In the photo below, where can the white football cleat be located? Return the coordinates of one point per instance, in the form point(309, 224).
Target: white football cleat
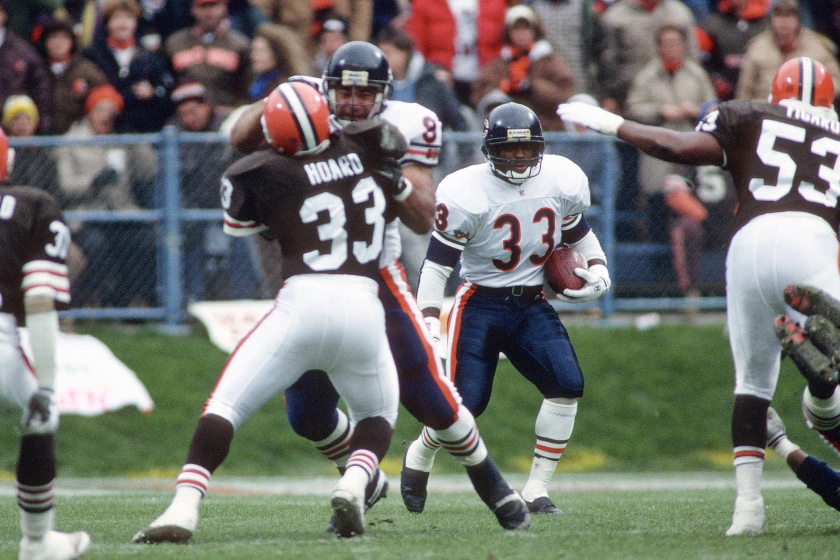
point(55, 546)
point(348, 510)
point(177, 524)
point(748, 518)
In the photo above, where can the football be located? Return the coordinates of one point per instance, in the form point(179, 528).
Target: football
point(560, 269)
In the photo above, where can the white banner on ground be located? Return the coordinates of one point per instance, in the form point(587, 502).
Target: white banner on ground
point(90, 380)
point(227, 322)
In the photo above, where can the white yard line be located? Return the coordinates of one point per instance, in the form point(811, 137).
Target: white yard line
point(437, 483)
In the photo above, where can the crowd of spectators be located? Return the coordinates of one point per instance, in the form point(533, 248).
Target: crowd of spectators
point(459, 58)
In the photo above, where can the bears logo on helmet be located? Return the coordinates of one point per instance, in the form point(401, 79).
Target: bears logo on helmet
point(803, 79)
point(508, 126)
point(296, 119)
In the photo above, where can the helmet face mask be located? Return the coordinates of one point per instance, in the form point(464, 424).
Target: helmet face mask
point(803, 79)
point(513, 143)
point(357, 81)
point(296, 119)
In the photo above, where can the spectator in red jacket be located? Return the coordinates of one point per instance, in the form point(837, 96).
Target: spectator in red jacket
point(460, 42)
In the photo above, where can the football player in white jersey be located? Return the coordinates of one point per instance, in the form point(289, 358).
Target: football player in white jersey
point(34, 242)
point(502, 219)
point(783, 159)
point(357, 83)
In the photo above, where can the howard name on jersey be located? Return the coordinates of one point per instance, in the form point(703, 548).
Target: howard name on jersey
point(33, 255)
point(326, 211)
point(508, 231)
point(782, 158)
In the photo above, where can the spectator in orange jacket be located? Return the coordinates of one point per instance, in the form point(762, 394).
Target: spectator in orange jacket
point(527, 70)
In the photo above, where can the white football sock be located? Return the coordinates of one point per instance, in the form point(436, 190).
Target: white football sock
point(35, 525)
point(555, 422)
point(749, 463)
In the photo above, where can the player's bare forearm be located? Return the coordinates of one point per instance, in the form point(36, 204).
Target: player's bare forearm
point(247, 134)
point(417, 211)
point(692, 148)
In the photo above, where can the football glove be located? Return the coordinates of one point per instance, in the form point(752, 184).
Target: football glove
point(595, 118)
point(387, 146)
point(41, 416)
point(388, 175)
point(597, 283)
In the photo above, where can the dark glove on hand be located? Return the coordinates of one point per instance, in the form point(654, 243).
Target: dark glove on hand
point(41, 417)
point(388, 175)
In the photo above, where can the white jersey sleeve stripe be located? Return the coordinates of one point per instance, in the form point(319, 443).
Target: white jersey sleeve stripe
point(239, 228)
point(46, 278)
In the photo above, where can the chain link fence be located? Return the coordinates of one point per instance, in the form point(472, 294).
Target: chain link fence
point(148, 240)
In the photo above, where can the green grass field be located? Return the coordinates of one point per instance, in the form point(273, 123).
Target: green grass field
point(657, 402)
point(625, 525)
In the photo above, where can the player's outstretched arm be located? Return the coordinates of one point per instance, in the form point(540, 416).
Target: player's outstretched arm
point(692, 148)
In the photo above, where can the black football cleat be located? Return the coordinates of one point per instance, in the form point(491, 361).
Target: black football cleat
point(162, 534)
point(512, 512)
point(376, 489)
point(811, 301)
point(413, 488)
point(813, 364)
point(543, 506)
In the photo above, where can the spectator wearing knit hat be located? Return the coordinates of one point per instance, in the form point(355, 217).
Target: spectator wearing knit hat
point(527, 70)
point(332, 33)
point(120, 256)
point(71, 75)
point(33, 165)
point(22, 70)
point(216, 265)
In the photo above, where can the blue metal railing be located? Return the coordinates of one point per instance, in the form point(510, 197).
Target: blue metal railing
point(169, 216)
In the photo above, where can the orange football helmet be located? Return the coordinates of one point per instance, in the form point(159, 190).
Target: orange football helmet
point(296, 119)
point(804, 79)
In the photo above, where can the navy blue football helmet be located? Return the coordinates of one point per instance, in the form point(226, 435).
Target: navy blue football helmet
point(361, 66)
point(509, 125)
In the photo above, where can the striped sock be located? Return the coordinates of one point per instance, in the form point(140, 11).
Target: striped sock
point(193, 476)
point(36, 509)
point(461, 439)
point(335, 447)
point(555, 422)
